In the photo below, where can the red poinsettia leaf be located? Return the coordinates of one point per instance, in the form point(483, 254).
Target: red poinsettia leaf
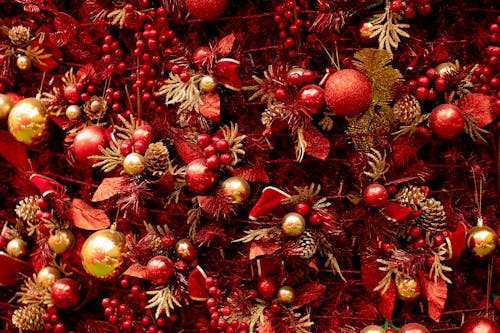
point(435, 292)
point(13, 151)
point(225, 45)
point(270, 199)
point(86, 217)
point(440, 53)
point(86, 72)
point(12, 270)
point(258, 249)
point(370, 274)
point(210, 106)
point(62, 122)
point(136, 270)
point(227, 75)
point(387, 300)
point(309, 292)
point(47, 65)
point(49, 48)
point(479, 106)
point(46, 185)
point(396, 211)
point(317, 144)
point(457, 241)
point(255, 173)
point(196, 285)
point(313, 264)
point(109, 187)
point(187, 151)
point(265, 325)
point(269, 266)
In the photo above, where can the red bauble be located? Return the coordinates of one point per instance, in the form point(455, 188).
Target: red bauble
point(71, 93)
point(375, 195)
point(479, 325)
point(447, 121)
point(312, 96)
point(65, 293)
point(267, 287)
point(198, 176)
point(413, 328)
point(144, 133)
point(87, 143)
point(348, 92)
point(206, 9)
point(159, 269)
point(201, 55)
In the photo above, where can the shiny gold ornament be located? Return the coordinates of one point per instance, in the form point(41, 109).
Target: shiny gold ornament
point(293, 224)
point(372, 329)
point(208, 83)
point(236, 188)
point(481, 240)
point(23, 63)
point(61, 241)
point(134, 164)
point(185, 250)
point(295, 71)
point(27, 121)
point(407, 288)
point(16, 248)
point(286, 295)
point(5, 106)
point(365, 32)
point(102, 253)
point(446, 69)
point(73, 112)
point(48, 275)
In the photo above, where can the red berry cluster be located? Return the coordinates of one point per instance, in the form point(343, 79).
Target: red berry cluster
point(141, 138)
point(80, 91)
point(289, 24)
point(118, 313)
point(314, 218)
point(215, 149)
point(410, 8)
point(427, 86)
point(416, 236)
point(52, 323)
point(113, 53)
point(43, 213)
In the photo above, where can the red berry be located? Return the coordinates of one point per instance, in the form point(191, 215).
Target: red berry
point(140, 146)
point(429, 261)
point(215, 316)
point(222, 145)
point(424, 10)
point(184, 76)
point(213, 162)
point(423, 81)
point(280, 94)
point(308, 76)
point(226, 158)
point(422, 93)
point(211, 302)
point(288, 43)
point(295, 78)
point(293, 29)
point(209, 150)
point(419, 243)
point(222, 323)
point(109, 311)
point(168, 240)
point(127, 324)
point(209, 282)
point(275, 307)
point(415, 231)
point(42, 203)
point(396, 6)
point(126, 147)
point(440, 84)
point(439, 239)
point(494, 27)
point(302, 208)
point(432, 95)
point(409, 12)
point(176, 69)
point(431, 73)
point(226, 311)
point(387, 247)
point(203, 140)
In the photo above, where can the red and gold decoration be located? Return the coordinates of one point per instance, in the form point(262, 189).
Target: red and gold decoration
point(286, 295)
point(16, 248)
point(185, 250)
point(482, 240)
point(407, 288)
point(293, 224)
point(5, 106)
point(61, 241)
point(27, 121)
point(48, 275)
point(159, 269)
point(446, 121)
point(236, 188)
point(65, 293)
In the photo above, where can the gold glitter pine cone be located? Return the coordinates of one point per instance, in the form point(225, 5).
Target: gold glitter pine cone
point(157, 158)
point(407, 109)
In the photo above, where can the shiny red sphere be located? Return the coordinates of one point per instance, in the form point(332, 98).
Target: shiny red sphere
point(479, 325)
point(267, 287)
point(144, 133)
point(201, 55)
point(206, 10)
point(413, 328)
point(375, 195)
point(87, 142)
point(348, 92)
point(312, 97)
point(159, 269)
point(446, 121)
point(65, 293)
point(199, 177)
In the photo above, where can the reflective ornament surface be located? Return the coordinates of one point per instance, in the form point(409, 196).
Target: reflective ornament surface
point(27, 121)
point(102, 253)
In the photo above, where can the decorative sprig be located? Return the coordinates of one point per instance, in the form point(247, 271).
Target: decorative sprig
point(179, 174)
point(410, 129)
point(438, 269)
point(377, 163)
point(127, 129)
point(110, 159)
point(275, 75)
point(475, 132)
point(235, 140)
point(326, 250)
point(33, 292)
point(257, 316)
point(186, 94)
point(194, 217)
point(258, 234)
point(163, 300)
point(326, 123)
point(305, 193)
point(388, 29)
point(304, 323)
point(300, 144)
point(37, 54)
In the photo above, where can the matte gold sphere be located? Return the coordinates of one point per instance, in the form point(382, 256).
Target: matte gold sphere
point(61, 241)
point(134, 164)
point(208, 83)
point(407, 288)
point(27, 121)
point(236, 188)
point(102, 253)
point(23, 63)
point(286, 295)
point(372, 329)
point(293, 224)
point(48, 275)
point(482, 241)
point(73, 112)
point(16, 248)
point(185, 250)
point(5, 106)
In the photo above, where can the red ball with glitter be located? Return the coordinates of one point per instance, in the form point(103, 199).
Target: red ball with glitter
point(375, 195)
point(479, 325)
point(65, 293)
point(446, 121)
point(159, 269)
point(199, 177)
point(414, 328)
point(206, 10)
point(87, 142)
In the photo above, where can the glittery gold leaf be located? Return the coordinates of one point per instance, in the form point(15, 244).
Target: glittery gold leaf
point(388, 29)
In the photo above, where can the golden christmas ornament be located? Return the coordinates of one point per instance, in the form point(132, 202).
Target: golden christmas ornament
point(365, 32)
point(407, 288)
point(134, 164)
point(446, 69)
point(73, 112)
point(16, 248)
point(481, 240)
point(236, 188)
point(185, 250)
point(102, 253)
point(5, 106)
point(286, 295)
point(48, 275)
point(293, 224)
point(27, 121)
point(372, 329)
point(23, 63)
point(61, 241)
point(208, 83)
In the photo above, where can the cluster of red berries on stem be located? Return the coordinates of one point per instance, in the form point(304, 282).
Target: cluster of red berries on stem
point(409, 8)
point(289, 24)
point(427, 86)
point(215, 149)
point(52, 323)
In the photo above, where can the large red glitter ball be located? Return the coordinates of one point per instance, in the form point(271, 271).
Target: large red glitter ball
point(267, 287)
point(159, 269)
point(479, 325)
point(206, 9)
point(413, 328)
point(446, 121)
point(375, 195)
point(65, 293)
point(348, 92)
point(87, 143)
point(198, 176)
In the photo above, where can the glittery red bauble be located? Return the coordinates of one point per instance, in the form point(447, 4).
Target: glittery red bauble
point(267, 287)
point(71, 93)
point(206, 9)
point(413, 328)
point(375, 195)
point(143, 132)
point(348, 92)
point(201, 55)
point(312, 96)
point(446, 121)
point(65, 293)
point(198, 176)
point(479, 325)
point(159, 269)
point(87, 143)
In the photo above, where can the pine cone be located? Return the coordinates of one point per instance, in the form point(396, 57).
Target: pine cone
point(95, 107)
point(307, 244)
point(433, 216)
point(26, 209)
point(411, 196)
point(157, 158)
point(272, 112)
point(29, 318)
point(407, 109)
point(19, 35)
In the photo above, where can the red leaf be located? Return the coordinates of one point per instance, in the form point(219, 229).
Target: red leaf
point(479, 106)
point(225, 45)
point(269, 200)
point(136, 270)
point(196, 285)
point(109, 187)
point(187, 151)
point(210, 106)
point(252, 174)
point(11, 271)
point(46, 185)
point(87, 72)
point(266, 326)
point(269, 266)
point(86, 217)
point(387, 301)
point(226, 73)
point(440, 53)
point(62, 122)
point(396, 211)
point(308, 293)
point(317, 144)
point(457, 240)
point(435, 293)
point(13, 151)
point(370, 274)
point(258, 249)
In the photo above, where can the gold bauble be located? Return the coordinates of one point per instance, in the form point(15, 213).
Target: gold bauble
point(446, 68)
point(286, 295)
point(293, 224)
point(28, 122)
point(73, 112)
point(482, 241)
point(365, 32)
point(236, 188)
point(48, 275)
point(407, 288)
point(102, 253)
point(61, 241)
point(23, 63)
point(134, 164)
point(208, 83)
point(185, 250)
point(5, 106)
point(372, 329)
point(16, 247)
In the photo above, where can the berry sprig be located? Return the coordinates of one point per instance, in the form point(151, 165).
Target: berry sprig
point(289, 23)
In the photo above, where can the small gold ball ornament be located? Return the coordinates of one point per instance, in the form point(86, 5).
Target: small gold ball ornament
point(23, 63)
point(208, 83)
point(134, 164)
point(236, 188)
point(365, 32)
point(185, 250)
point(5, 106)
point(407, 288)
point(446, 68)
point(481, 240)
point(48, 275)
point(102, 253)
point(286, 295)
point(61, 241)
point(293, 224)
point(27, 121)
point(372, 329)
point(73, 112)
point(16, 247)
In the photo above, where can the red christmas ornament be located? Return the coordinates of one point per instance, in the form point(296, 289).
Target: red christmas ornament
point(87, 143)
point(65, 293)
point(185, 250)
point(267, 287)
point(144, 133)
point(312, 96)
point(159, 269)
point(71, 93)
point(375, 195)
point(479, 325)
point(198, 176)
point(206, 9)
point(201, 55)
point(348, 92)
point(413, 328)
point(447, 121)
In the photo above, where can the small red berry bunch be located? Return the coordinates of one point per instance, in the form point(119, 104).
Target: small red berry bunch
point(52, 321)
point(427, 85)
point(410, 8)
point(215, 149)
point(289, 24)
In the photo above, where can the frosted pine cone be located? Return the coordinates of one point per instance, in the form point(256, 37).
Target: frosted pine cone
point(29, 318)
point(95, 107)
point(307, 244)
point(19, 35)
point(407, 109)
point(272, 112)
point(433, 216)
point(411, 196)
point(26, 209)
point(157, 158)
